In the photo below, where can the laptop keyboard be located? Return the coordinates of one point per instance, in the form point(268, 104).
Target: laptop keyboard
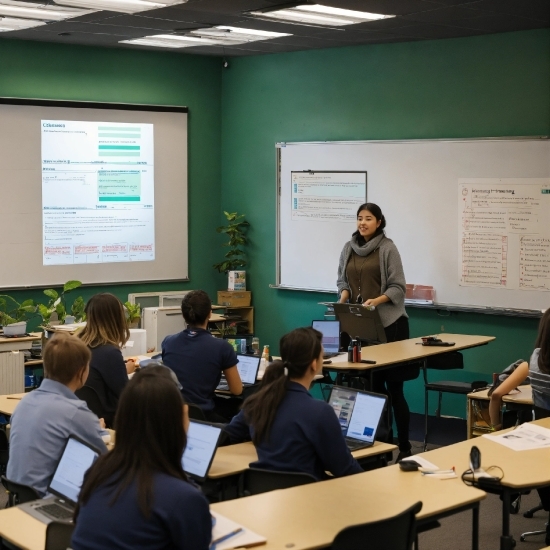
point(223, 387)
point(56, 511)
point(356, 444)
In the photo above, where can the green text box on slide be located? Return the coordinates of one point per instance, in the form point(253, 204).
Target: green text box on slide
point(119, 185)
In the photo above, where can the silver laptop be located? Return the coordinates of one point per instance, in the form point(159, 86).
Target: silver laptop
point(65, 485)
point(202, 442)
point(248, 367)
point(359, 414)
point(331, 337)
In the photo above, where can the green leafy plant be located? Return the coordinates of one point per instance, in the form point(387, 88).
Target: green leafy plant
point(235, 229)
point(11, 311)
point(77, 310)
point(58, 305)
point(226, 329)
point(133, 313)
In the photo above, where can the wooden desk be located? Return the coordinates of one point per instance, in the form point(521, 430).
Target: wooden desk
point(235, 459)
point(475, 429)
point(12, 361)
point(522, 469)
point(310, 516)
point(9, 402)
point(404, 351)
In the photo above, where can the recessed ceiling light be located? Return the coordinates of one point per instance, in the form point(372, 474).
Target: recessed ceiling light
point(124, 6)
point(27, 10)
point(317, 14)
point(170, 41)
point(8, 24)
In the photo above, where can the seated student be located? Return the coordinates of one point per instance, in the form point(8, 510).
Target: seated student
point(44, 420)
point(291, 430)
point(137, 496)
point(198, 358)
point(105, 332)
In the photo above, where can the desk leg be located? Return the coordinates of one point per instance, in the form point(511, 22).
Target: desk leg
point(475, 527)
point(507, 542)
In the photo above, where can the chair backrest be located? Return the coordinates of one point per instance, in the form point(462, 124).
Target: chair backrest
point(541, 413)
point(4, 451)
point(195, 412)
point(446, 361)
point(397, 533)
point(18, 493)
point(89, 395)
point(58, 535)
point(256, 480)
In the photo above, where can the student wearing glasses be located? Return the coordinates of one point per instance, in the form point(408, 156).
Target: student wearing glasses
point(137, 496)
point(291, 430)
point(370, 272)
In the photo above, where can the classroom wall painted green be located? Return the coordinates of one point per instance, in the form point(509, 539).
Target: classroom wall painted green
point(69, 72)
point(496, 85)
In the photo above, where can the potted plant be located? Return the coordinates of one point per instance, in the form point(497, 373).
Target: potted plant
point(14, 315)
point(235, 230)
point(133, 314)
point(57, 304)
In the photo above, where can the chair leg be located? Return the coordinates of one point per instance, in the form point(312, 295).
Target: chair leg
point(438, 411)
point(425, 418)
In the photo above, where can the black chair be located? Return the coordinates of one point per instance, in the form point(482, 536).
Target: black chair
point(4, 451)
point(397, 533)
point(195, 412)
point(58, 535)
point(18, 493)
point(256, 480)
point(446, 361)
point(89, 395)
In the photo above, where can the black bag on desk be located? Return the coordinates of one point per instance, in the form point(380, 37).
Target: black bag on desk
point(505, 374)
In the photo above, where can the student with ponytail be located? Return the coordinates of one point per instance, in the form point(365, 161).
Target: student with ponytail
point(291, 430)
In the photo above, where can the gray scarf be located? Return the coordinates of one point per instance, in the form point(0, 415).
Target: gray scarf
point(367, 248)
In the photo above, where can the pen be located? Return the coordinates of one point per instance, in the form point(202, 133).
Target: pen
point(228, 536)
point(18, 398)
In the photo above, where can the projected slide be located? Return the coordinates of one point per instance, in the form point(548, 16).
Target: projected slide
point(97, 192)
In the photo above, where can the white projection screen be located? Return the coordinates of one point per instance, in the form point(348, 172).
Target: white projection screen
point(94, 192)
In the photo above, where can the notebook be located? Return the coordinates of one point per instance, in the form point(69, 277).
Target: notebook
point(359, 414)
point(202, 442)
point(65, 485)
point(248, 367)
point(331, 337)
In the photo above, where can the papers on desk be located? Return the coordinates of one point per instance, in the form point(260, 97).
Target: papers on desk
point(525, 437)
point(429, 469)
point(230, 534)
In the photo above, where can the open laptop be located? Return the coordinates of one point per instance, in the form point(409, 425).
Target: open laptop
point(65, 485)
point(248, 367)
point(331, 337)
point(202, 442)
point(359, 414)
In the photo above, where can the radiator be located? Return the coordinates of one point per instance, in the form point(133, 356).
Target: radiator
point(12, 372)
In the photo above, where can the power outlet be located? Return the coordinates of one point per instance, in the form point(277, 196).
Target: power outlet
point(442, 328)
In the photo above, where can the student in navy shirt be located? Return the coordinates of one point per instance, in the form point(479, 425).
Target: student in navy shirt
point(198, 359)
point(137, 496)
point(291, 430)
point(106, 331)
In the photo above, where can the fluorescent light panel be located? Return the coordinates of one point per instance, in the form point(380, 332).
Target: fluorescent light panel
point(317, 14)
point(26, 10)
point(123, 6)
point(8, 24)
point(213, 36)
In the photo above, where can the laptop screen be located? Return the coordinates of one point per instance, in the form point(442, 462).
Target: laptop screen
point(69, 475)
point(358, 412)
point(202, 440)
point(248, 366)
point(331, 334)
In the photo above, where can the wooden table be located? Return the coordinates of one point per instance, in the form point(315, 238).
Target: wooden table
point(475, 429)
point(12, 362)
point(9, 402)
point(310, 516)
point(235, 459)
point(522, 469)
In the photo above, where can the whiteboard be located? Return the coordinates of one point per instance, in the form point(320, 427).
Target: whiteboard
point(417, 184)
point(21, 208)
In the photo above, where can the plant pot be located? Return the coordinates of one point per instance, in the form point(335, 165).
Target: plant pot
point(16, 329)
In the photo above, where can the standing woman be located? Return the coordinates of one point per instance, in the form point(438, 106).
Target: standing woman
point(106, 331)
point(370, 272)
point(137, 496)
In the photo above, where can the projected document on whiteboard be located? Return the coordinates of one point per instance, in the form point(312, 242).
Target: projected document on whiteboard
point(98, 203)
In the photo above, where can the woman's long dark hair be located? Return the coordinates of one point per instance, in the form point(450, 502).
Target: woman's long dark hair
point(150, 438)
point(298, 349)
point(376, 211)
point(543, 342)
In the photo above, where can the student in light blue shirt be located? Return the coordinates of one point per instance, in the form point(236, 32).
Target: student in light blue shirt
point(46, 418)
